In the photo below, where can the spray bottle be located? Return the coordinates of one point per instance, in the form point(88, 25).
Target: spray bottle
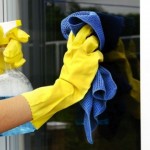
point(13, 82)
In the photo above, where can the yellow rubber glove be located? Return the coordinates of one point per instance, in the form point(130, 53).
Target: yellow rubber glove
point(81, 63)
point(12, 53)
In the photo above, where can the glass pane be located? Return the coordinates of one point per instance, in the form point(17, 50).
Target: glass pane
point(119, 126)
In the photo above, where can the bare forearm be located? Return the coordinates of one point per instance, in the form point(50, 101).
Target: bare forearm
point(13, 112)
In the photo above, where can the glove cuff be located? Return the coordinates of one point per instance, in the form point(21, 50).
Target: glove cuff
point(43, 100)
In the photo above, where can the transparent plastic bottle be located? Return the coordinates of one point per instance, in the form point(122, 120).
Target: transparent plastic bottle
point(12, 83)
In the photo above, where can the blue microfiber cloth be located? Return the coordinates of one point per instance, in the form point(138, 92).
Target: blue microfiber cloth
point(113, 26)
point(103, 87)
point(94, 103)
point(76, 20)
point(107, 27)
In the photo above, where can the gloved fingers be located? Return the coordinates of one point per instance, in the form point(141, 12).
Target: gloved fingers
point(70, 40)
point(76, 41)
point(83, 33)
point(99, 55)
point(90, 44)
point(18, 35)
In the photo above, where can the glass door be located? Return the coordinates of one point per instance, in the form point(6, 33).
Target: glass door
point(121, 129)
point(44, 54)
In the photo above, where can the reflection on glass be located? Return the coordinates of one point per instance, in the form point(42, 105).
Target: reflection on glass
point(120, 124)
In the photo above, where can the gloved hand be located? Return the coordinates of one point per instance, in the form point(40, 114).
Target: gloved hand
point(11, 49)
point(81, 63)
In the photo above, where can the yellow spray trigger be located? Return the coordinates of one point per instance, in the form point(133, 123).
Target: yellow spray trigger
point(11, 38)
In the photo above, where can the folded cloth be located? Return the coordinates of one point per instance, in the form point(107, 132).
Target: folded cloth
point(76, 20)
point(103, 87)
point(94, 103)
point(107, 27)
